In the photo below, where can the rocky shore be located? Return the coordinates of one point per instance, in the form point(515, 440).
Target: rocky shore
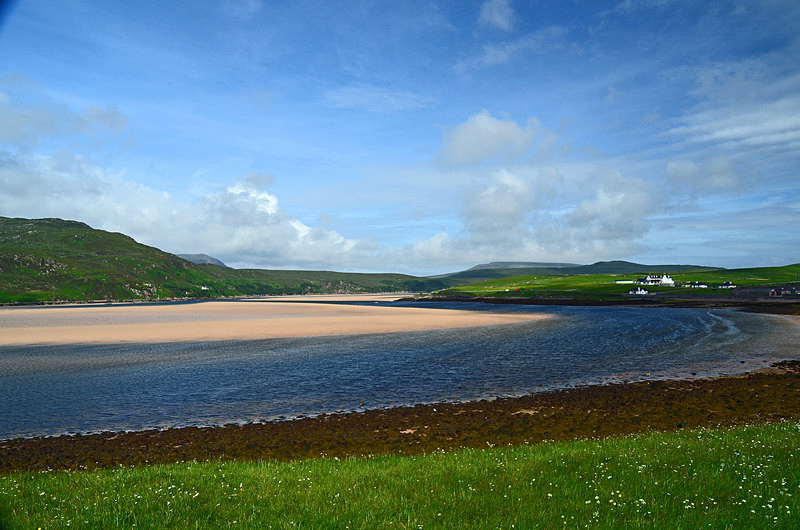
point(767, 395)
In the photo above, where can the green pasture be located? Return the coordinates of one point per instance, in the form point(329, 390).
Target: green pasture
point(745, 477)
point(604, 286)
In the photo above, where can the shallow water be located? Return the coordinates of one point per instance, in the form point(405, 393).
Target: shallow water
point(49, 390)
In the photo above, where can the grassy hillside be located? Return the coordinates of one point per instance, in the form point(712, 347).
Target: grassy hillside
point(258, 281)
point(605, 286)
point(56, 260)
point(52, 259)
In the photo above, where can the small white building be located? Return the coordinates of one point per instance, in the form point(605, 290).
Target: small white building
point(639, 290)
point(654, 279)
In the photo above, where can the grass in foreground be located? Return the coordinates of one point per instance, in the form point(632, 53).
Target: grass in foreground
point(747, 477)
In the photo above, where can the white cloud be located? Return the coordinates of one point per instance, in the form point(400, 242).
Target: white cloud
point(610, 222)
point(496, 215)
point(537, 213)
point(245, 194)
point(483, 137)
point(618, 209)
point(497, 13)
point(241, 223)
point(508, 213)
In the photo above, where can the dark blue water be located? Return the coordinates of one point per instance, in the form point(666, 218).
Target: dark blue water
point(48, 390)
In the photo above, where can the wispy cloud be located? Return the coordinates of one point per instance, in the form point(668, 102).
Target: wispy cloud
point(542, 41)
point(773, 125)
point(26, 123)
point(242, 9)
point(375, 98)
point(716, 175)
point(498, 14)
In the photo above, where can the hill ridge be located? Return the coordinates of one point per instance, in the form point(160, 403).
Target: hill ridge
point(53, 260)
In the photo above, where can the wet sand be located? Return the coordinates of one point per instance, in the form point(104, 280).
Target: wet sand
point(256, 318)
point(591, 412)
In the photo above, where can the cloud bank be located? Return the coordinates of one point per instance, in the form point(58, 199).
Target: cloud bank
point(509, 209)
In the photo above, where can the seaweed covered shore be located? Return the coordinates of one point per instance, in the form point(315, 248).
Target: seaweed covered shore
point(590, 412)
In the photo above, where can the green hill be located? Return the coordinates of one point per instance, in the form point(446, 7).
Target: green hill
point(53, 259)
point(44, 260)
point(569, 284)
point(261, 281)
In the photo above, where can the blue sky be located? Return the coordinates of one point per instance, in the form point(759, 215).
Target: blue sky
point(405, 136)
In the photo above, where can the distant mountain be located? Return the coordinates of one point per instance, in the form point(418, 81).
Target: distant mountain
point(496, 270)
point(627, 267)
point(521, 265)
point(43, 260)
point(199, 259)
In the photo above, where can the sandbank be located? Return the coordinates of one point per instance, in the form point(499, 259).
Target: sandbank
point(259, 318)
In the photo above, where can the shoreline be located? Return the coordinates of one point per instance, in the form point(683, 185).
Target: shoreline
point(765, 395)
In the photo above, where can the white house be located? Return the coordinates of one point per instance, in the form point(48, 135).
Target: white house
point(639, 290)
point(653, 279)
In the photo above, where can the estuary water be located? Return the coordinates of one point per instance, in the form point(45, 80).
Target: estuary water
point(52, 390)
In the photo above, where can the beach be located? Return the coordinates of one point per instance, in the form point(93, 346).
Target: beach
point(256, 318)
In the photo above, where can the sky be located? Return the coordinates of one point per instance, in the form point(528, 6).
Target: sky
point(421, 137)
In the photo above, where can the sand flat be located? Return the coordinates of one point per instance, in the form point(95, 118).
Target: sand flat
point(229, 319)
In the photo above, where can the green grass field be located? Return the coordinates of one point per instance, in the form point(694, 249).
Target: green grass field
point(745, 477)
point(603, 286)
